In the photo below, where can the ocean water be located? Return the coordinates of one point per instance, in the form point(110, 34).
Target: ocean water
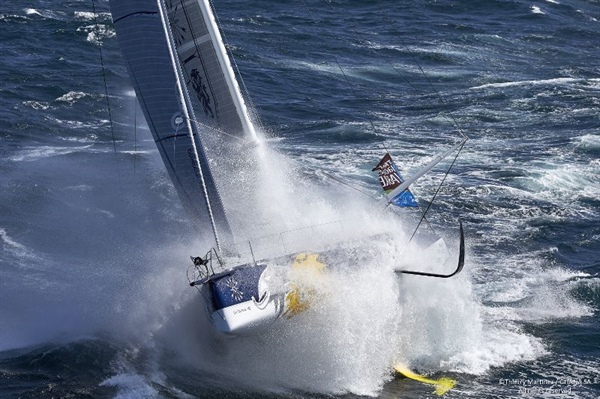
point(94, 300)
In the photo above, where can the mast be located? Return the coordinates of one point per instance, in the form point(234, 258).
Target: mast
point(227, 69)
point(188, 113)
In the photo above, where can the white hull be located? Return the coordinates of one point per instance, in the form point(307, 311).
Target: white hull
point(244, 299)
point(247, 317)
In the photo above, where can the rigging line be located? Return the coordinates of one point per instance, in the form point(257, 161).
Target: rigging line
point(190, 115)
point(370, 120)
point(248, 98)
point(373, 126)
point(417, 90)
point(437, 94)
point(389, 208)
point(135, 110)
point(354, 93)
point(329, 175)
point(437, 191)
point(212, 128)
point(408, 81)
point(185, 101)
point(110, 119)
point(419, 208)
point(435, 91)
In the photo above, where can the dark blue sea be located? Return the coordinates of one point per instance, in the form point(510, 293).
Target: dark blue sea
point(94, 243)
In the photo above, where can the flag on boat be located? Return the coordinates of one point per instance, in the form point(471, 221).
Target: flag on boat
point(390, 178)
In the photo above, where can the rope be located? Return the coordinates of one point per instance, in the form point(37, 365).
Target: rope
point(437, 95)
point(436, 192)
point(348, 185)
point(248, 99)
point(186, 110)
point(112, 129)
point(135, 110)
point(373, 128)
point(353, 92)
point(217, 130)
point(435, 91)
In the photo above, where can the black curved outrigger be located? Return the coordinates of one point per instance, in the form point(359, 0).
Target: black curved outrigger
point(461, 261)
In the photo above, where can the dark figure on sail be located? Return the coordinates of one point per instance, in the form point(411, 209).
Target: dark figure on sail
point(202, 93)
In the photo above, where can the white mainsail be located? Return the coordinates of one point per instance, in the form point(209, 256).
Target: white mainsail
point(207, 68)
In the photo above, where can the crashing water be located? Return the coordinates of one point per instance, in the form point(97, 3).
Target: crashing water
point(93, 297)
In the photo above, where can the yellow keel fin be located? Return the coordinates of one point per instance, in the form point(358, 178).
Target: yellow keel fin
point(442, 385)
point(306, 268)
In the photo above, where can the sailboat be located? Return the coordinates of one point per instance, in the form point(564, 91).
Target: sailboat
point(188, 91)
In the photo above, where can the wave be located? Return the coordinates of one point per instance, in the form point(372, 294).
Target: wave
point(23, 257)
point(130, 385)
point(559, 81)
point(98, 32)
point(72, 96)
point(536, 10)
point(531, 294)
point(90, 16)
point(37, 105)
point(89, 138)
point(32, 11)
point(78, 124)
point(46, 14)
point(13, 17)
point(40, 152)
point(588, 141)
point(9, 241)
point(566, 183)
